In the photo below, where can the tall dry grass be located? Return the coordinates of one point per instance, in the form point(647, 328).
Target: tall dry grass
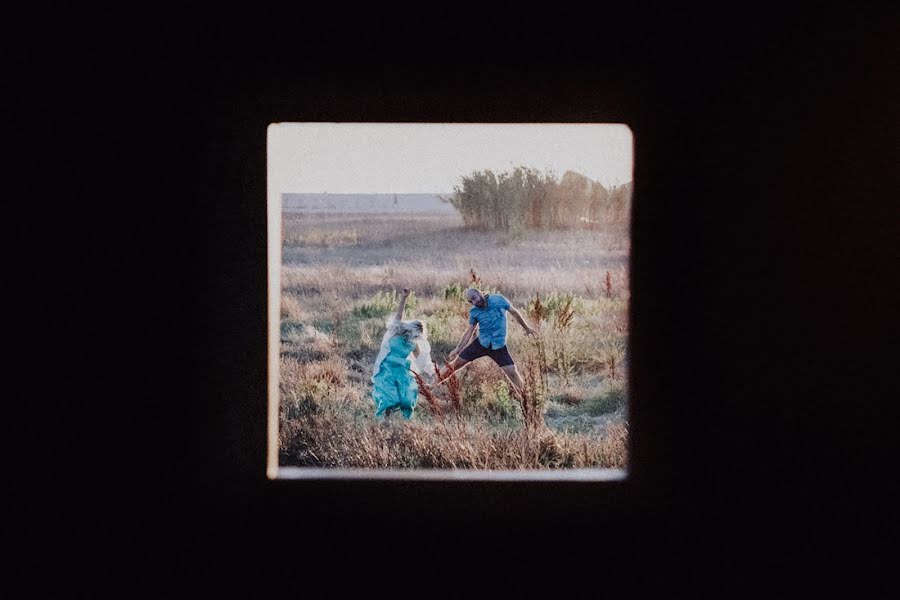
point(318, 440)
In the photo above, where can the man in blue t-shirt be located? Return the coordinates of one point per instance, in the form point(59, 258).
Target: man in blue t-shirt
point(488, 314)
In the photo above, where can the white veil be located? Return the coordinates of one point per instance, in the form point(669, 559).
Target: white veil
point(421, 364)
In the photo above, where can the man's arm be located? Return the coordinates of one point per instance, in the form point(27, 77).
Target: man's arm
point(463, 342)
point(529, 330)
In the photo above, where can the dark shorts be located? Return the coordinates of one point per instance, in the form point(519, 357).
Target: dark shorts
point(476, 350)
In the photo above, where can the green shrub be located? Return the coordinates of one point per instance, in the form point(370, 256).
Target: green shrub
point(454, 291)
point(548, 307)
point(502, 403)
point(440, 327)
point(553, 302)
point(563, 359)
point(384, 303)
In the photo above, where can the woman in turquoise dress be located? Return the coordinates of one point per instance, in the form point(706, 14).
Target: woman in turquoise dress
point(404, 350)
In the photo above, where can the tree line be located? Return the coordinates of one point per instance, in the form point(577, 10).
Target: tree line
point(525, 198)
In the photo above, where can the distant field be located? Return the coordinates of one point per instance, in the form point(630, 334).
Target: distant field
point(383, 203)
point(340, 274)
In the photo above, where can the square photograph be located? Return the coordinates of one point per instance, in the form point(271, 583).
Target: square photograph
point(449, 299)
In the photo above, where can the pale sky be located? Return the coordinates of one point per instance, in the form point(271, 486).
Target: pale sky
point(403, 158)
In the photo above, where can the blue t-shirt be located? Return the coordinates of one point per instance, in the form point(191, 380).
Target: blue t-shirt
point(491, 321)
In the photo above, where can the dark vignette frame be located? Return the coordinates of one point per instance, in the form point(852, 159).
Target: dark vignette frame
point(774, 477)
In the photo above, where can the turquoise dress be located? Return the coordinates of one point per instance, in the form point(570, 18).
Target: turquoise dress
point(395, 387)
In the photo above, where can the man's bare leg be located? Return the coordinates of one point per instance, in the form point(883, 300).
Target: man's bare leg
point(512, 373)
point(457, 364)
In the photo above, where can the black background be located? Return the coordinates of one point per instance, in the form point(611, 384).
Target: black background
point(762, 299)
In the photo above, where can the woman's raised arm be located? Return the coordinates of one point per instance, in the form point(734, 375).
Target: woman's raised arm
point(403, 296)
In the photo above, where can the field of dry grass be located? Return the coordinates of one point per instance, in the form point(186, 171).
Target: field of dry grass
point(340, 276)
